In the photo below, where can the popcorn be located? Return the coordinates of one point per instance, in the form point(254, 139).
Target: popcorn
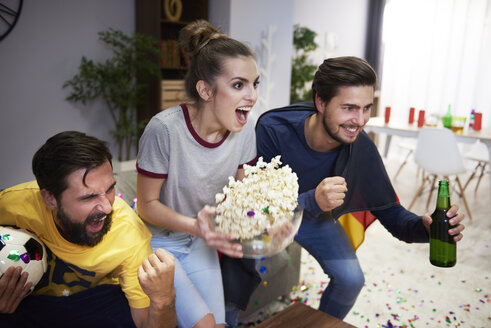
point(265, 198)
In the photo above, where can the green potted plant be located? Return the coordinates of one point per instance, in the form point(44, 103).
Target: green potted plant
point(120, 82)
point(302, 70)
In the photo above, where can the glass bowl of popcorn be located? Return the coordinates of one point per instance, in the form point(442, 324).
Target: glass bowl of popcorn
point(273, 240)
point(261, 209)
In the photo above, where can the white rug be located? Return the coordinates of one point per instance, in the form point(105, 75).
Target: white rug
point(402, 288)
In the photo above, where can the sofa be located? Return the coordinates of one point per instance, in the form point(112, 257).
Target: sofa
point(279, 273)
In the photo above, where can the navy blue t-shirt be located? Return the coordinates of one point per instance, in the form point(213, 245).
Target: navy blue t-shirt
point(281, 132)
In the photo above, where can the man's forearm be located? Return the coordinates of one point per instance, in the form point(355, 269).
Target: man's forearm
point(403, 224)
point(309, 204)
point(161, 315)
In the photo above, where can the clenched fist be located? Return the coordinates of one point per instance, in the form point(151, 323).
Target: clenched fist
point(156, 276)
point(330, 193)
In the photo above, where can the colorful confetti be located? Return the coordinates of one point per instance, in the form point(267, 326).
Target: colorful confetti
point(25, 258)
point(399, 296)
point(14, 255)
point(7, 236)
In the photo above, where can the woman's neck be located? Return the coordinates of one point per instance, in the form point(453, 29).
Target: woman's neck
point(205, 123)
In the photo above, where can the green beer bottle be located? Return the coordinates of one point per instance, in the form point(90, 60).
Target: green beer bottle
point(443, 249)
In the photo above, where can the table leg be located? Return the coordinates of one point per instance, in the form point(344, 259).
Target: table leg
point(487, 142)
point(388, 139)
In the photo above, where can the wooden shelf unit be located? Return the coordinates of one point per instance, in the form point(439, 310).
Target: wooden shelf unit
point(151, 20)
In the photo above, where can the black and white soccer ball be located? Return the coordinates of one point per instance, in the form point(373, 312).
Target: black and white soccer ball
point(19, 247)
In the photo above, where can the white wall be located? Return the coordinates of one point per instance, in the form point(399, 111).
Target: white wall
point(248, 21)
point(219, 14)
point(43, 51)
point(344, 21)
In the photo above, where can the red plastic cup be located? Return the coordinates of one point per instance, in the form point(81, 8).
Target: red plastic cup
point(411, 115)
point(477, 121)
point(421, 118)
point(387, 114)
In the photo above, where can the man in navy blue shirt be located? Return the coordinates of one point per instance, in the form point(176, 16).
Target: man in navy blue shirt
point(339, 171)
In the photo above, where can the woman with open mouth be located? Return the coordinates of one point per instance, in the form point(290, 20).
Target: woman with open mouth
point(186, 155)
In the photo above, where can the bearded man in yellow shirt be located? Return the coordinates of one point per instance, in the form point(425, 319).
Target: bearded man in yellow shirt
point(101, 269)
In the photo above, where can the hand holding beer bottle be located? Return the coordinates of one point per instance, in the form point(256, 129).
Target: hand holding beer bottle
point(443, 249)
point(455, 220)
point(445, 229)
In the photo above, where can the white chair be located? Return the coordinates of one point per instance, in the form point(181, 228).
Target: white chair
point(477, 153)
point(408, 144)
point(438, 154)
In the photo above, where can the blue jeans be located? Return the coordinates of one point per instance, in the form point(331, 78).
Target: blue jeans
point(197, 279)
point(328, 243)
point(231, 316)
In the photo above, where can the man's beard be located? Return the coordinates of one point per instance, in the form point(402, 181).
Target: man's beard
point(332, 135)
point(77, 232)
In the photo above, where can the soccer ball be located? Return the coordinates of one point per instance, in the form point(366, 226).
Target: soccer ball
point(19, 247)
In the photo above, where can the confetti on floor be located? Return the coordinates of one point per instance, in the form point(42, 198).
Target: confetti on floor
point(402, 289)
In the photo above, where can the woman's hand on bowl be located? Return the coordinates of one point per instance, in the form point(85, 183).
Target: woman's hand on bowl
point(221, 241)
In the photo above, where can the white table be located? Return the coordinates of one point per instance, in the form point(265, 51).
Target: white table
point(404, 129)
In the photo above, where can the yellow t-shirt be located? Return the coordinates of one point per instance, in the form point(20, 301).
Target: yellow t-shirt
point(73, 268)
